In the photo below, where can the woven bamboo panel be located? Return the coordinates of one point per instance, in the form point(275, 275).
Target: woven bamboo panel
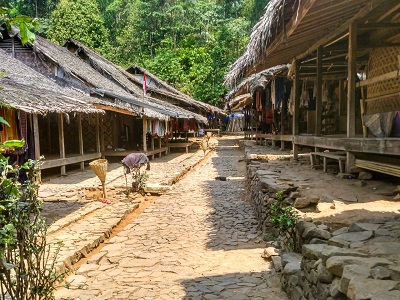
point(383, 61)
point(383, 105)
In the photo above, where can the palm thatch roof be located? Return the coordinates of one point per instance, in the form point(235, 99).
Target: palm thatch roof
point(87, 78)
point(126, 81)
point(248, 85)
point(159, 86)
point(29, 91)
point(291, 29)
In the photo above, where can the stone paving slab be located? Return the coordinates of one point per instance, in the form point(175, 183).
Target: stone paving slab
point(198, 241)
point(82, 223)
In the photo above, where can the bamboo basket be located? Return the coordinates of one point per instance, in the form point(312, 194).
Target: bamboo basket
point(99, 167)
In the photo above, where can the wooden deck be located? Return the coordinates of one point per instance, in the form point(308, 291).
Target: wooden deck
point(186, 145)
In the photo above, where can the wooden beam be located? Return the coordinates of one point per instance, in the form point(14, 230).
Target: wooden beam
point(342, 102)
point(115, 109)
point(102, 135)
point(291, 26)
point(80, 138)
point(342, 28)
point(318, 113)
point(383, 77)
point(296, 128)
point(369, 26)
point(61, 141)
point(351, 86)
point(36, 136)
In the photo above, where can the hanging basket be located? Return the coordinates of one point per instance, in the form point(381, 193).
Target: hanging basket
point(99, 167)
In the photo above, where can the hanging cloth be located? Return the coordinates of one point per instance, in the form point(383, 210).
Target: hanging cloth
point(304, 97)
point(273, 98)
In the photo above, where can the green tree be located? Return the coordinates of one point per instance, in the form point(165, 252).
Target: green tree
point(80, 20)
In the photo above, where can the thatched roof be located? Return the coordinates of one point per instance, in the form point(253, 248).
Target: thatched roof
point(248, 85)
point(29, 91)
point(290, 29)
point(159, 86)
point(126, 80)
point(87, 78)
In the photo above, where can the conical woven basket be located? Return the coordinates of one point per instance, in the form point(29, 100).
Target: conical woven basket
point(99, 166)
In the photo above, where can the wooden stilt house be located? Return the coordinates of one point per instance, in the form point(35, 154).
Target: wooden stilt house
point(344, 59)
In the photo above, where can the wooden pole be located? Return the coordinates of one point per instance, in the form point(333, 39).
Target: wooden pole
point(36, 136)
point(296, 129)
point(341, 106)
point(61, 141)
point(97, 134)
point(102, 135)
point(351, 91)
point(80, 137)
point(318, 112)
point(144, 134)
point(283, 114)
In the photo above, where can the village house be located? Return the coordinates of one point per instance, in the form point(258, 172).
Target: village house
point(48, 117)
point(343, 85)
point(132, 123)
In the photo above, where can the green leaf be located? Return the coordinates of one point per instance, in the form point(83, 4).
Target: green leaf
point(14, 143)
point(3, 121)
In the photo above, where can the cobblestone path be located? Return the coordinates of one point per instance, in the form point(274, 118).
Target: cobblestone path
point(199, 241)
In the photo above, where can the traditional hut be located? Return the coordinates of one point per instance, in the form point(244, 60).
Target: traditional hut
point(345, 47)
point(48, 117)
point(182, 120)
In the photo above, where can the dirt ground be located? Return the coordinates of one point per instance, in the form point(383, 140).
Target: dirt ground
point(342, 201)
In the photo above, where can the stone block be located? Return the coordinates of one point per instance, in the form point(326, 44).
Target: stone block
point(336, 264)
point(325, 251)
point(360, 288)
point(290, 257)
point(349, 272)
point(356, 236)
point(324, 275)
point(357, 227)
point(315, 232)
point(301, 202)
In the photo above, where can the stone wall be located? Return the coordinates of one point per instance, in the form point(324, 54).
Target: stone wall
point(360, 262)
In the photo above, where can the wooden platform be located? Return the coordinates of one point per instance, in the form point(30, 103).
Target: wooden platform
point(390, 169)
point(150, 153)
point(340, 156)
point(186, 145)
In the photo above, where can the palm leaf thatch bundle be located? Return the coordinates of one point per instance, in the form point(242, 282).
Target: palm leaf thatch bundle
point(277, 14)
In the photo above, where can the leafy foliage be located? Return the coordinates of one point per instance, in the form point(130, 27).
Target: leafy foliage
point(80, 20)
point(284, 217)
point(26, 25)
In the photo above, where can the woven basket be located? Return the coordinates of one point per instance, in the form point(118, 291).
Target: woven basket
point(99, 166)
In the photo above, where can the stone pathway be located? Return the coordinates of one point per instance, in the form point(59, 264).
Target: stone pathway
point(198, 241)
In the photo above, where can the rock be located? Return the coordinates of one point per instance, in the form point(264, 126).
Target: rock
point(302, 225)
point(290, 257)
point(362, 183)
point(86, 268)
point(270, 251)
point(364, 175)
point(349, 272)
point(340, 231)
point(323, 206)
point(320, 251)
point(356, 236)
point(318, 241)
point(291, 268)
point(324, 275)
point(334, 289)
point(397, 197)
point(335, 264)
point(316, 233)
point(356, 227)
point(277, 262)
point(338, 242)
point(301, 202)
point(360, 288)
point(314, 200)
point(380, 272)
point(387, 295)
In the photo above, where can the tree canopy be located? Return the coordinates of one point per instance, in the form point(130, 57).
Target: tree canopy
point(188, 43)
